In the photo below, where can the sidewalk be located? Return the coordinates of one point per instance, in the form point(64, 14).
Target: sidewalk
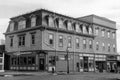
point(22, 73)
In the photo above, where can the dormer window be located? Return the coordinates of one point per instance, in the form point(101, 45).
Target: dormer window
point(65, 24)
point(69, 25)
point(11, 26)
point(74, 26)
point(90, 30)
point(78, 28)
point(61, 23)
point(84, 29)
point(33, 21)
point(51, 21)
point(22, 23)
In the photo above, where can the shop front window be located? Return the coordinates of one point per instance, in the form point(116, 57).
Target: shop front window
point(81, 63)
point(31, 60)
point(52, 60)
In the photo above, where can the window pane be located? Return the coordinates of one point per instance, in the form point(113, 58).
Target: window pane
point(60, 41)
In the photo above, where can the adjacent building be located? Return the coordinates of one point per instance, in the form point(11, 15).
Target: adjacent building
point(2, 53)
point(41, 39)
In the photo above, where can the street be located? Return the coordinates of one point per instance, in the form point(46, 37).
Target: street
point(76, 76)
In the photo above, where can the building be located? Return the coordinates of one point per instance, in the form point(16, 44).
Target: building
point(2, 51)
point(43, 39)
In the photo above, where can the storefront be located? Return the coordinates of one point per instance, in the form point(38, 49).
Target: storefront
point(111, 63)
point(28, 61)
point(100, 63)
point(86, 62)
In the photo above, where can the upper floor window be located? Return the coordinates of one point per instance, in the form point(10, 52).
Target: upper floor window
point(97, 45)
point(90, 44)
point(11, 41)
point(77, 43)
point(33, 21)
point(103, 46)
point(21, 24)
point(61, 41)
point(74, 26)
point(84, 44)
point(108, 47)
point(21, 40)
point(114, 48)
point(90, 30)
point(113, 34)
point(69, 41)
point(61, 23)
point(78, 28)
point(69, 25)
point(11, 26)
point(84, 29)
point(51, 21)
point(108, 34)
point(103, 33)
point(33, 38)
point(96, 31)
point(51, 39)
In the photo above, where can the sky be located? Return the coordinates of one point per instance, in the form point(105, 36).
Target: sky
point(74, 8)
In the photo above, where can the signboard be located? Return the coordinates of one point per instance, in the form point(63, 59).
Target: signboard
point(111, 57)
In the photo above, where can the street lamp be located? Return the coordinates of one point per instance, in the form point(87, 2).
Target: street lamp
point(67, 56)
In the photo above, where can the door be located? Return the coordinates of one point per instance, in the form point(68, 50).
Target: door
point(41, 64)
point(85, 64)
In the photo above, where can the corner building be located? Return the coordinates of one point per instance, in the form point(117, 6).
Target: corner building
point(40, 40)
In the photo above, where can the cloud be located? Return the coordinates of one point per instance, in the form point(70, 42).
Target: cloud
point(3, 26)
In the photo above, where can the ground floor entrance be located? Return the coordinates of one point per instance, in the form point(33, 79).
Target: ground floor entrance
point(41, 64)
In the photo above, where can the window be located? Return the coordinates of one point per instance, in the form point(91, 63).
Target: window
point(114, 48)
point(32, 38)
point(97, 45)
point(33, 21)
point(11, 41)
point(77, 43)
point(84, 43)
point(51, 60)
point(96, 31)
point(31, 60)
point(103, 33)
point(103, 46)
point(69, 41)
point(11, 26)
point(60, 41)
point(108, 47)
point(69, 25)
point(21, 24)
point(90, 30)
point(78, 28)
point(74, 26)
point(13, 61)
point(21, 40)
point(108, 34)
point(90, 44)
point(51, 39)
point(113, 34)
point(61, 24)
point(84, 29)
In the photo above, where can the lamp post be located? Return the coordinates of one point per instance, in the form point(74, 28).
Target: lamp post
point(67, 61)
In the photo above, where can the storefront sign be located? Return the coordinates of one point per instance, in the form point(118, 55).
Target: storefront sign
point(111, 57)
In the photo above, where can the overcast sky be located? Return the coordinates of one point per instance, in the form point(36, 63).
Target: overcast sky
point(74, 8)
